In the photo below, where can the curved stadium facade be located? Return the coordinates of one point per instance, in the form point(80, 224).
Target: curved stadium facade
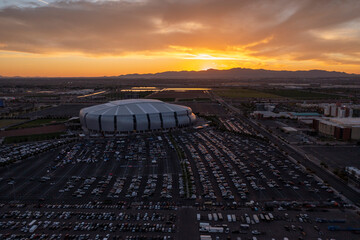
point(135, 115)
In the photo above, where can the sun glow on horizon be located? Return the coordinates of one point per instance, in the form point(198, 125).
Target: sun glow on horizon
point(77, 65)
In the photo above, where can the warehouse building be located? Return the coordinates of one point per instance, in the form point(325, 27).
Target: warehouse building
point(339, 128)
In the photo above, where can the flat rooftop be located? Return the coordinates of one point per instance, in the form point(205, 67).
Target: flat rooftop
point(345, 121)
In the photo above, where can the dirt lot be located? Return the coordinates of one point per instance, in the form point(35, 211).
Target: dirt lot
point(32, 131)
point(9, 122)
point(59, 111)
point(38, 123)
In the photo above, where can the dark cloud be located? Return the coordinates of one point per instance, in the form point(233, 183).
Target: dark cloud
point(298, 29)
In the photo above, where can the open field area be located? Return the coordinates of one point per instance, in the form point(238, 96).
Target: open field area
point(9, 122)
point(39, 122)
point(123, 94)
point(68, 110)
point(301, 94)
point(180, 94)
point(274, 93)
point(32, 137)
point(243, 93)
point(33, 131)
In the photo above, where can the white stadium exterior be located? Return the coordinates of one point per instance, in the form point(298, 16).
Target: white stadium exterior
point(131, 115)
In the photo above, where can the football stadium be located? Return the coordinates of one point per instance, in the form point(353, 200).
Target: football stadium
point(124, 116)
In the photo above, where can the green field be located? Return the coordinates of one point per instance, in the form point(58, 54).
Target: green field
point(300, 94)
point(122, 95)
point(31, 138)
point(9, 122)
point(243, 93)
point(273, 93)
point(39, 122)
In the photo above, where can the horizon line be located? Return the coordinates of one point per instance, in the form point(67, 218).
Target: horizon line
point(178, 71)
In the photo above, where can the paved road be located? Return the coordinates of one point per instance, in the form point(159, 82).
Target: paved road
point(334, 182)
point(187, 226)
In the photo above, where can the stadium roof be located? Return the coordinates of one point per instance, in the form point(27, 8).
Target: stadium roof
point(134, 106)
point(135, 115)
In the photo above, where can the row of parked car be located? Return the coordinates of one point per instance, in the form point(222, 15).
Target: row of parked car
point(15, 152)
point(33, 216)
point(239, 164)
point(87, 236)
point(34, 224)
point(237, 125)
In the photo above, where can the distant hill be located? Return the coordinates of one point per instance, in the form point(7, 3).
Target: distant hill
point(241, 73)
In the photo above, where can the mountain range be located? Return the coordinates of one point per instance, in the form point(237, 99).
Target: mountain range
point(241, 73)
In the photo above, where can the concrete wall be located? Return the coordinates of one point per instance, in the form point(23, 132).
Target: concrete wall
point(326, 129)
point(355, 133)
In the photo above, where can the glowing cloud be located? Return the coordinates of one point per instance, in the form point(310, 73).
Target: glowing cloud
point(43, 1)
point(116, 37)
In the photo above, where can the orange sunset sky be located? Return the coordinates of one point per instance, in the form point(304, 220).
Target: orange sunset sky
point(114, 37)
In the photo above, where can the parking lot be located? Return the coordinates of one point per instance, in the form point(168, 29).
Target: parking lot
point(250, 224)
point(220, 167)
point(16, 152)
point(139, 220)
point(118, 169)
point(154, 185)
point(336, 156)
